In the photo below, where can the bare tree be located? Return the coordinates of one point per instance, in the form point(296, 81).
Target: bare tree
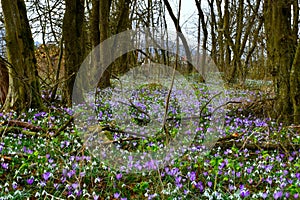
point(182, 37)
point(232, 24)
point(24, 88)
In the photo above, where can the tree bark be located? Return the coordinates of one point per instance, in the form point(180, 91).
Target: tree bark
point(123, 24)
point(24, 87)
point(95, 31)
point(104, 11)
point(4, 81)
point(74, 50)
point(281, 51)
point(295, 86)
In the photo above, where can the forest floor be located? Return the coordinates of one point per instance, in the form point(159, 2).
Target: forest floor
point(45, 155)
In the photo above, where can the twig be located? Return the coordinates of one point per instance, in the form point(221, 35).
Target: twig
point(246, 140)
point(64, 126)
point(136, 107)
point(54, 90)
point(285, 150)
point(225, 104)
point(208, 102)
point(259, 182)
point(258, 147)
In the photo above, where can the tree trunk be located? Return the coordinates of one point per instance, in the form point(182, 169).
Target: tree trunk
point(104, 11)
point(181, 36)
point(4, 81)
point(74, 53)
point(281, 51)
point(205, 37)
point(95, 31)
point(24, 88)
point(295, 86)
point(123, 24)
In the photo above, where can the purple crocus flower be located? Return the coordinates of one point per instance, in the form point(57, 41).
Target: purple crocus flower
point(71, 173)
point(46, 176)
point(82, 174)
point(1, 146)
point(79, 193)
point(178, 181)
point(30, 181)
point(119, 176)
point(43, 183)
point(75, 185)
point(269, 180)
point(269, 168)
point(14, 185)
point(200, 186)
point(209, 183)
point(4, 165)
point(277, 195)
point(56, 186)
point(174, 171)
point(264, 195)
point(192, 176)
point(116, 195)
point(231, 187)
point(244, 193)
point(222, 165)
point(242, 187)
point(249, 170)
point(287, 194)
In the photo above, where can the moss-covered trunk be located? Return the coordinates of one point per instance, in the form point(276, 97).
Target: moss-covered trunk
point(24, 88)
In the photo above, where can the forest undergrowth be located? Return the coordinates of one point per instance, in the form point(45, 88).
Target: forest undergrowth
point(43, 155)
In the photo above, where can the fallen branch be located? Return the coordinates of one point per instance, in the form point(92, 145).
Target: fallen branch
point(13, 129)
point(27, 125)
point(29, 129)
